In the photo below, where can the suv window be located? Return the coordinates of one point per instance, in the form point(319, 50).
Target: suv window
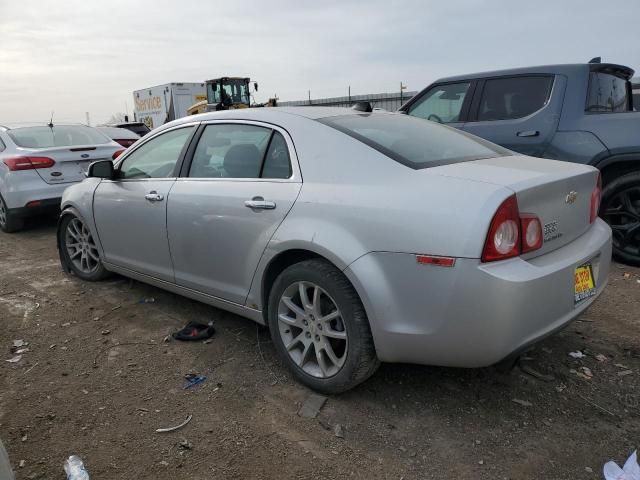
point(607, 93)
point(414, 142)
point(277, 163)
point(157, 158)
point(230, 150)
point(513, 97)
point(442, 103)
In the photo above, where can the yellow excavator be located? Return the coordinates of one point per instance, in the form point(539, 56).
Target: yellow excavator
point(228, 93)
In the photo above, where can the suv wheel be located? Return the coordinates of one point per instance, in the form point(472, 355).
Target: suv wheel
point(620, 208)
point(78, 249)
point(320, 328)
point(8, 222)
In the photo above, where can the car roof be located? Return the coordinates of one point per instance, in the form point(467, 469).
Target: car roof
point(559, 69)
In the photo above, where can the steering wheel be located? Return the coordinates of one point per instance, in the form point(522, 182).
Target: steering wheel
point(435, 117)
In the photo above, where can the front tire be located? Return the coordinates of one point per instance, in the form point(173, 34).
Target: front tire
point(78, 250)
point(319, 327)
point(9, 223)
point(621, 210)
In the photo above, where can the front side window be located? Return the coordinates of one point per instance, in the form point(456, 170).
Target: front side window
point(607, 94)
point(442, 103)
point(158, 157)
point(414, 142)
point(513, 97)
point(57, 136)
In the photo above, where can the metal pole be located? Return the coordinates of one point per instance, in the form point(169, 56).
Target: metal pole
point(349, 94)
point(309, 97)
point(88, 120)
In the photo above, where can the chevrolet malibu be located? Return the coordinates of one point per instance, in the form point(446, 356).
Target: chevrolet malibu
point(358, 238)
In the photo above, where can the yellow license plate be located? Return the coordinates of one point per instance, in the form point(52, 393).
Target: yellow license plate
point(585, 286)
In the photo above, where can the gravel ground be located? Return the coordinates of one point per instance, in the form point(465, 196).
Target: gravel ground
point(98, 380)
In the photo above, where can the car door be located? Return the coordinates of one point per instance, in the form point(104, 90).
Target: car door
point(446, 103)
point(130, 211)
point(242, 180)
point(518, 112)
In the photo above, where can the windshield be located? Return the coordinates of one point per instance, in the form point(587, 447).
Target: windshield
point(57, 136)
point(233, 91)
point(414, 142)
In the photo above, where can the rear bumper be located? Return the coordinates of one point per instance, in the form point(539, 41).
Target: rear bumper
point(474, 314)
point(19, 189)
point(49, 205)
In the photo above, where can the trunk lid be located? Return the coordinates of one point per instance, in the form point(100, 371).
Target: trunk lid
point(559, 193)
point(71, 162)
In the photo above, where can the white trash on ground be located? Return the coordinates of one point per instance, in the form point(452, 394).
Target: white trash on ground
point(630, 471)
point(74, 468)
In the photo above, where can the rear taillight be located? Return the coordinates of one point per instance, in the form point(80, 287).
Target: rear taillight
point(511, 233)
point(28, 163)
point(531, 229)
point(117, 154)
point(596, 196)
point(126, 143)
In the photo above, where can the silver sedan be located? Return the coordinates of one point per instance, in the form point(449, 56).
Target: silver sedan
point(357, 238)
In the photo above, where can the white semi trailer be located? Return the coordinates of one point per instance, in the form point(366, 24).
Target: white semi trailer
point(158, 105)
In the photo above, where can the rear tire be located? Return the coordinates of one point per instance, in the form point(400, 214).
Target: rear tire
point(620, 208)
point(330, 347)
point(79, 251)
point(9, 223)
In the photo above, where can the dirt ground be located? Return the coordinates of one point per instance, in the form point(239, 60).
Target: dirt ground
point(98, 380)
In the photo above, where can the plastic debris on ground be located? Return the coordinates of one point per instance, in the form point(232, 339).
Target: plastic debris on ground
point(74, 468)
point(147, 300)
point(15, 359)
point(524, 403)
point(193, 379)
point(194, 331)
point(577, 354)
point(630, 470)
point(312, 405)
point(172, 429)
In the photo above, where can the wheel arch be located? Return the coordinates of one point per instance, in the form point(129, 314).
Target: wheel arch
point(615, 166)
point(285, 259)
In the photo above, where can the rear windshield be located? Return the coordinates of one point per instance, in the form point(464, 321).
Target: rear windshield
point(607, 93)
point(57, 136)
point(414, 142)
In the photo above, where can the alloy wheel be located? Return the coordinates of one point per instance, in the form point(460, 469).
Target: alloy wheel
point(312, 329)
point(622, 213)
point(81, 248)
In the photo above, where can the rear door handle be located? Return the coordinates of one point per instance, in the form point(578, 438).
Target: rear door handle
point(528, 133)
point(259, 203)
point(154, 196)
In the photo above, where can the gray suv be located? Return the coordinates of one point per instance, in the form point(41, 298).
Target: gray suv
point(580, 113)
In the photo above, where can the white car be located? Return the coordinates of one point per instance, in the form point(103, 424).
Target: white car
point(37, 163)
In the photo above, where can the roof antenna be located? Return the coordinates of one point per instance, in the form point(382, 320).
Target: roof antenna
point(51, 121)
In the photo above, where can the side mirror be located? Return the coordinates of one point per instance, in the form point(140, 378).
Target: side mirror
point(101, 169)
point(255, 86)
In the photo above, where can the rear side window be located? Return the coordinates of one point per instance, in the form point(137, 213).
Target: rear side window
point(513, 97)
point(57, 136)
point(607, 94)
point(2, 145)
point(414, 142)
point(230, 151)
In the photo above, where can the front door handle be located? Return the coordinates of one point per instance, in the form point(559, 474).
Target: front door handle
point(260, 203)
point(528, 133)
point(154, 196)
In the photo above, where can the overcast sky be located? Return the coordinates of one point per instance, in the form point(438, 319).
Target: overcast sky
point(77, 56)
